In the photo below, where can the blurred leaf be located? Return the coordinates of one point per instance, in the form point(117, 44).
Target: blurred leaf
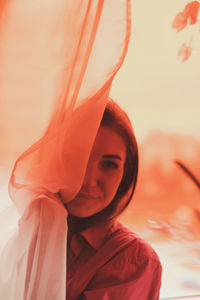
point(188, 15)
point(191, 11)
point(180, 21)
point(185, 51)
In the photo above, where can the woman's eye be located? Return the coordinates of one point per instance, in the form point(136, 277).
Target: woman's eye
point(109, 164)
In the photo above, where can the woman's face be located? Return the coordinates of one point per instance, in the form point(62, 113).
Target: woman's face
point(103, 174)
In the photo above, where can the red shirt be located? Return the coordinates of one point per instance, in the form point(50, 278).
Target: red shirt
point(134, 273)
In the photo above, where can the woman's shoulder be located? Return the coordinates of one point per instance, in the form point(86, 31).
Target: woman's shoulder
point(137, 251)
point(135, 262)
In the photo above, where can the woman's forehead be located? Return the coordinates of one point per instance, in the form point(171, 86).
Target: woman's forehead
point(108, 141)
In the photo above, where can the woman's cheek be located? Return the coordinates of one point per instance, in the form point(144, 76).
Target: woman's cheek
point(116, 177)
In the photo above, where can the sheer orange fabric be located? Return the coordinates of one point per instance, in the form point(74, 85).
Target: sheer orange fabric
point(58, 57)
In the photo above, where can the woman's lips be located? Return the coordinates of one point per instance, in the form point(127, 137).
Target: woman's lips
point(87, 196)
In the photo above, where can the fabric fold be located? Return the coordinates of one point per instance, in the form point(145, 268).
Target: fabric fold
point(58, 59)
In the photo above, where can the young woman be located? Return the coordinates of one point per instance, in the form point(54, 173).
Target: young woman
point(105, 260)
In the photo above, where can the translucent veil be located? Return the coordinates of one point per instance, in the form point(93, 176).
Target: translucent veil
point(59, 57)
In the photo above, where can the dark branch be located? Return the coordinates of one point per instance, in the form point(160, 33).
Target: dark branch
point(188, 172)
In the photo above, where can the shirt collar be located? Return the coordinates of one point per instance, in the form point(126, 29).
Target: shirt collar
point(95, 236)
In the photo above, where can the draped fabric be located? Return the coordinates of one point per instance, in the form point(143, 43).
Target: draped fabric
point(58, 59)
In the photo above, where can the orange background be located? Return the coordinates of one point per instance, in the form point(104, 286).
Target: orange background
point(161, 95)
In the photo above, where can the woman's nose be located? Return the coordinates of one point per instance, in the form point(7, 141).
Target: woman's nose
point(92, 176)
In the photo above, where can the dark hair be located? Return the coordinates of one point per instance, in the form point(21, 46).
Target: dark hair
point(115, 118)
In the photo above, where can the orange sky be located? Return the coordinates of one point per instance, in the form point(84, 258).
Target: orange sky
point(160, 91)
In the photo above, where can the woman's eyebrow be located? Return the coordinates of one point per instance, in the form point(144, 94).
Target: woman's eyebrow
point(112, 156)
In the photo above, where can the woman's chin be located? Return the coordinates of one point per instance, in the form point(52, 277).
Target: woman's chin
point(79, 208)
point(81, 211)
point(80, 214)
